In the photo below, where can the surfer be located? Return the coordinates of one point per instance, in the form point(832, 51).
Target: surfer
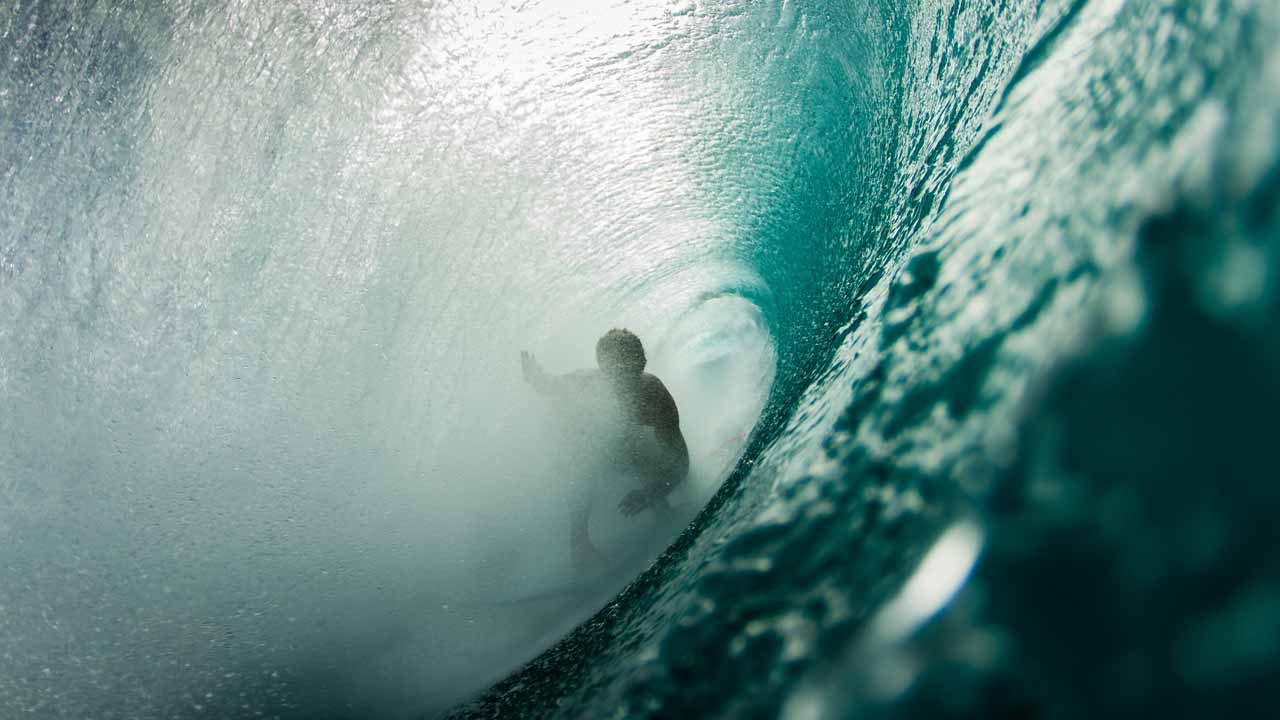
point(641, 401)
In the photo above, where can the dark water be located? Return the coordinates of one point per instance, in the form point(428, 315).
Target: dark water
point(1001, 281)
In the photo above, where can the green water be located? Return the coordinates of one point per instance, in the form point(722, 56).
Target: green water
point(969, 308)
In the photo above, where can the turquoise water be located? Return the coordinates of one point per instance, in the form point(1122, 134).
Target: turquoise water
point(970, 310)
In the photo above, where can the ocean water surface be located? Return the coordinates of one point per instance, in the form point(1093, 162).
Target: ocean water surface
point(970, 308)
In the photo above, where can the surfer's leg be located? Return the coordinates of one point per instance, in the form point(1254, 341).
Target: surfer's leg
point(581, 551)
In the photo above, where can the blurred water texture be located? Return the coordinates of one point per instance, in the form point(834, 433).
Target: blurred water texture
point(1019, 262)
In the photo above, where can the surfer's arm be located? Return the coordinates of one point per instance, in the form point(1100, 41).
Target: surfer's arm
point(662, 414)
point(541, 380)
point(659, 411)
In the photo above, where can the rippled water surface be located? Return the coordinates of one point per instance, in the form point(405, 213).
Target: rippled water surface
point(970, 309)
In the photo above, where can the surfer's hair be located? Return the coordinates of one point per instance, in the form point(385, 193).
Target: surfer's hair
point(621, 349)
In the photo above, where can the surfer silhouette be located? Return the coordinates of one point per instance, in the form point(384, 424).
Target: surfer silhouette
point(622, 401)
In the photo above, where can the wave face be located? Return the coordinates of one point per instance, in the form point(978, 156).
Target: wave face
point(970, 309)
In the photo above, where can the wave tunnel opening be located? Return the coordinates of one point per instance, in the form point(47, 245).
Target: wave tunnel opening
point(269, 269)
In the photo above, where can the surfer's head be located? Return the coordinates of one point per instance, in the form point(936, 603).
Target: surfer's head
point(620, 354)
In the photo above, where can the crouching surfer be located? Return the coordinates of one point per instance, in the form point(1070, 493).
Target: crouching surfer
point(620, 393)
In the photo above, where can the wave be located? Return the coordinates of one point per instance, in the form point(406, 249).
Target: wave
point(1001, 495)
point(266, 272)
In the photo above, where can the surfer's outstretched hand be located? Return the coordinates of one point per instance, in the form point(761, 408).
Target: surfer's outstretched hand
point(530, 367)
point(636, 502)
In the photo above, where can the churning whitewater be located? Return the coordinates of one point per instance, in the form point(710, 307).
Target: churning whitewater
point(969, 310)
